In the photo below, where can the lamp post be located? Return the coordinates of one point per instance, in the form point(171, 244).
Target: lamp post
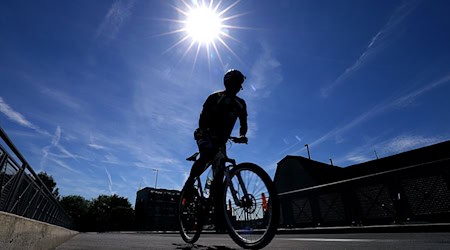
point(156, 178)
point(307, 148)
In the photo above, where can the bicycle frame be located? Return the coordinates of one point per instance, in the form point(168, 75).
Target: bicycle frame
point(219, 164)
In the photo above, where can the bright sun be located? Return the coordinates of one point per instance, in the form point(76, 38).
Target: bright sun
point(203, 25)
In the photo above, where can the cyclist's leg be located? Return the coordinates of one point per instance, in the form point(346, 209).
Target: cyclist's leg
point(216, 190)
point(199, 166)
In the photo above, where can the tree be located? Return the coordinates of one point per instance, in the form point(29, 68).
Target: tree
point(111, 213)
point(77, 207)
point(50, 183)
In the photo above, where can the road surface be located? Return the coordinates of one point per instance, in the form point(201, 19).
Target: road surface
point(133, 240)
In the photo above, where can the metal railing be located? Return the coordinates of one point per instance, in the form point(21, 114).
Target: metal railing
point(23, 193)
point(413, 194)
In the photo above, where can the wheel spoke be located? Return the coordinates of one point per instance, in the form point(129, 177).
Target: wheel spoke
point(250, 222)
point(190, 211)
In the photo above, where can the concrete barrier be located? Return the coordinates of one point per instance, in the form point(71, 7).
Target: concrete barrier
point(18, 232)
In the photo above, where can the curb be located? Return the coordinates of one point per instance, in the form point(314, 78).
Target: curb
point(400, 228)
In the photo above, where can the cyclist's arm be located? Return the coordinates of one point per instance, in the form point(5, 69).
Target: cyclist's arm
point(243, 120)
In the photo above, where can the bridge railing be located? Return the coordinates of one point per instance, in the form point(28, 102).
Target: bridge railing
point(22, 192)
point(413, 194)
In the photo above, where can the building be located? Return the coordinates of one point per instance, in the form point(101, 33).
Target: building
point(156, 209)
point(410, 187)
point(296, 172)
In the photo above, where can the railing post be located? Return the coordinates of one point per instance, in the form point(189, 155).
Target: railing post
point(2, 165)
point(15, 187)
point(2, 161)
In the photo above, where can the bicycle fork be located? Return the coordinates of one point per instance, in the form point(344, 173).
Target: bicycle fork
point(234, 193)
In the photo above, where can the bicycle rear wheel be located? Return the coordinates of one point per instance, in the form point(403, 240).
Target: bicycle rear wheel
point(252, 223)
point(190, 214)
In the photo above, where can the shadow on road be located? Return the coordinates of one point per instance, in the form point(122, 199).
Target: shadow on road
point(200, 247)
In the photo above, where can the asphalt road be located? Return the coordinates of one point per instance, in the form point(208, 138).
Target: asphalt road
point(130, 240)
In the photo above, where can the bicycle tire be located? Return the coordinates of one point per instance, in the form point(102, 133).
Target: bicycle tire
point(190, 215)
point(262, 229)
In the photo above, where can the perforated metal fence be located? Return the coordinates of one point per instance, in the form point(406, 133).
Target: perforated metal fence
point(413, 194)
point(22, 192)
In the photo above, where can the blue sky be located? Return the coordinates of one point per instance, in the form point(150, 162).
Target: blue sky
point(99, 93)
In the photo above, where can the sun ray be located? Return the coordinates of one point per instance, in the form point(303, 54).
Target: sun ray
point(228, 8)
point(180, 10)
point(234, 16)
point(228, 48)
point(187, 50)
point(237, 27)
point(176, 44)
point(170, 32)
point(217, 6)
point(171, 20)
point(230, 37)
point(207, 55)
point(187, 5)
point(196, 55)
point(218, 54)
point(210, 25)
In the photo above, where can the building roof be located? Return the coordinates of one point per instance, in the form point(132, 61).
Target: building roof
point(413, 157)
point(297, 172)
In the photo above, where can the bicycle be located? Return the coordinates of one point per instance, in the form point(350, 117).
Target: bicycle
point(249, 203)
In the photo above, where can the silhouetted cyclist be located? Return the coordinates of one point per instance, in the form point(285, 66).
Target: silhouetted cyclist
point(217, 119)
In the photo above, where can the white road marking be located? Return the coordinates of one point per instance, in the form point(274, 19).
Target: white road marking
point(333, 240)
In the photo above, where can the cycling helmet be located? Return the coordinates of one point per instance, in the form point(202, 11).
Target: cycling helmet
point(233, 77)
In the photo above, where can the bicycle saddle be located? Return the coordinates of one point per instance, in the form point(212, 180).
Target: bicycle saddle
point(193, 157)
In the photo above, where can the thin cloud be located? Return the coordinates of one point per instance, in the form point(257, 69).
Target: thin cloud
point(62, 98)
point(55, 143)
point(62, 152)
point(410, 97)
point(404, 143)
point(114, 19)
point(63, 164)
point(298, 140)
point(112, 159)
point(123, 178)
point(13, 115)
point(18, 118)
point(95, 145)
point(265, 73)
point(391, 146)
point(110, 183)
point(377, 43)
point(381, 108)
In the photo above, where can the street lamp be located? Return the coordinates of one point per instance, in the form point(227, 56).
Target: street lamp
point(307, 148)
point(156, 179)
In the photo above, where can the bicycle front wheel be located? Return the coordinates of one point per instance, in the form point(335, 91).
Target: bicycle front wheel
point(190, 217)
point(251, 206)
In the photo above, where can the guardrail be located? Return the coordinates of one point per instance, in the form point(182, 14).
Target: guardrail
point(23, 193)
point(418, 193)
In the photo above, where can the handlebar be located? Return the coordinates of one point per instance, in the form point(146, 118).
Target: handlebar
point(243, 139)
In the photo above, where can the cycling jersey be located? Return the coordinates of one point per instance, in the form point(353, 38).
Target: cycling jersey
point(219, 115)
